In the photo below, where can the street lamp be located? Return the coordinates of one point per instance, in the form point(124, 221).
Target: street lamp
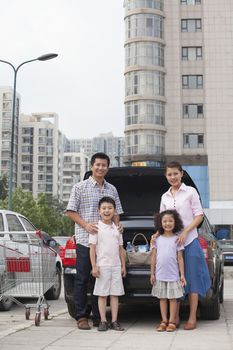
point(45, 57)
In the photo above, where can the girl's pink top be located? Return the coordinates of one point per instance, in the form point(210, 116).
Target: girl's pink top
point(188, 205)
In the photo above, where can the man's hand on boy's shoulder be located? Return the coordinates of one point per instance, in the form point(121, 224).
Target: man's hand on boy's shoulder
point(91, 228)
point(120, 227)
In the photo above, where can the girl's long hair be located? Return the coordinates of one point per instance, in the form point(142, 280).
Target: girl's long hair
point(158, 221)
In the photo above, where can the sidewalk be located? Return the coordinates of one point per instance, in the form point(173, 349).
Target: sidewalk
point(61, 332)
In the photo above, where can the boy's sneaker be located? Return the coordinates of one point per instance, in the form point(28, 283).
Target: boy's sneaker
point(96, 322)
point(116, 326)
point(103, 326)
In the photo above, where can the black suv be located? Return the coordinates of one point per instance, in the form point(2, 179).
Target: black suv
point(140, 190)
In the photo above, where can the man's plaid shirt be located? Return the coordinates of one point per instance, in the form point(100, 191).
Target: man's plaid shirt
point(84, 199)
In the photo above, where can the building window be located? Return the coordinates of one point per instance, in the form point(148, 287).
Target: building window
point(144, 25)
point(145, 112)
point(193, 111)
point(145, 83)
point(191, 53)
point(192, 81)
point(190, 2)
point(144, 54)
point(152, 4)
point(145, 142)
point(193, 140)
point(191, 25)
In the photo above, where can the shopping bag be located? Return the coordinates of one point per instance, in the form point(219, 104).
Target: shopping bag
point(140, 254)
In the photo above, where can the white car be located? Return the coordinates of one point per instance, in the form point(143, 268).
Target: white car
point(17, 233)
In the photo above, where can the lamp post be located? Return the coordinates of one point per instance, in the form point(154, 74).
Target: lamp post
point(45, 57)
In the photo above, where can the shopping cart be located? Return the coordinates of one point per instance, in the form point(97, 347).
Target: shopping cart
point(27, 271)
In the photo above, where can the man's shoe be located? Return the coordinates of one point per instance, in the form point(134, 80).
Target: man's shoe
point(96, 322)
point(83, 324)
point(103, 326)
point(116, 326)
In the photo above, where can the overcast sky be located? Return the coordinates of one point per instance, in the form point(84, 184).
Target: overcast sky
point(84, 85)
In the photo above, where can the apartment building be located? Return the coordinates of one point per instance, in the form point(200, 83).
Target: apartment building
point(179, 92)
point(74, 167)
point(112, 145)
point(6, 103)
point(41, 149)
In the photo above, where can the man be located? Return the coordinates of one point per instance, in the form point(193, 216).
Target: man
point(83, 210)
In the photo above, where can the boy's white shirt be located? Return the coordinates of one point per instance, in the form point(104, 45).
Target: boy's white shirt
point(107, 241)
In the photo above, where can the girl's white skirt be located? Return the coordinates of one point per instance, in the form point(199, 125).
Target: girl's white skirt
point(167, 290)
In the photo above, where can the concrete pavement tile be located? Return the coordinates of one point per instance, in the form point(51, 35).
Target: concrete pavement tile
point(90, 341)
point(129, 341)
point(75, 346)
point(208, 341)
point(20, 347)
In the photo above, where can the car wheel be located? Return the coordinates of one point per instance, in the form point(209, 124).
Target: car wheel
point(71, 309)
point(5, 304)
point(54, 292)
point(211, 309)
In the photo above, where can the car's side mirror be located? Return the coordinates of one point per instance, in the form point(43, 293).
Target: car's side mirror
point(52, 244)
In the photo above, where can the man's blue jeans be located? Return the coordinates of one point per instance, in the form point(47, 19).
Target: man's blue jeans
point(84, 280)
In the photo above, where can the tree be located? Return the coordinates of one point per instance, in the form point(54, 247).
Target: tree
point(45, 212)
point(3, 187)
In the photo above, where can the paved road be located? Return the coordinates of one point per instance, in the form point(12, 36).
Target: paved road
point(61, 332)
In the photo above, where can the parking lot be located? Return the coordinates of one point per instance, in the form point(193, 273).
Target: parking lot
point(61, 331)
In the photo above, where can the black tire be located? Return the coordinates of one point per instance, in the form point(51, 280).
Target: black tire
point(221, 293)
point(46, 313)
point(37, 319)
point(54, 292)
point(27, 313)
point(5, 304)
point(211, 309)
point(71, 309)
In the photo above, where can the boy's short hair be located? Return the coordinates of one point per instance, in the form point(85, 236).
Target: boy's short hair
point(100, 155)
point(107, 200)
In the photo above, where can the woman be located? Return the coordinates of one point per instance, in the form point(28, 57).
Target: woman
point(185, 200)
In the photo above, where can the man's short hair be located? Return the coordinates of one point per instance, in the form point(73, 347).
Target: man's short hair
point(100, 155)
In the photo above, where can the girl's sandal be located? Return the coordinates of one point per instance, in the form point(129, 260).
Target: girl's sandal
point(162, 326)
point(171, 327)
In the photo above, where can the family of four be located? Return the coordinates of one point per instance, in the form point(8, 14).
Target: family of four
point(178, 265)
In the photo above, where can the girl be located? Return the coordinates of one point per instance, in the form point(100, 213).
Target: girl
point(166, 264)
point(185, 200)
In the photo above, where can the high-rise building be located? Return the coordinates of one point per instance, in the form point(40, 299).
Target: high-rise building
point(113, 146)
point(74, 167)
point(179, 92)
point(41, 154)
point(144, 82)
point(6, 103)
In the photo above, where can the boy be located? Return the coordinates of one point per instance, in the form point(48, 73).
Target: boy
point(108, 263)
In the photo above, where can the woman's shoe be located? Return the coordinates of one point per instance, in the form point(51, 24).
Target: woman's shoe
point(162, 326)
point(190, 325)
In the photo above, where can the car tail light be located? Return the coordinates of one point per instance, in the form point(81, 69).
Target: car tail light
point(70, 253)
point(204, 245)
